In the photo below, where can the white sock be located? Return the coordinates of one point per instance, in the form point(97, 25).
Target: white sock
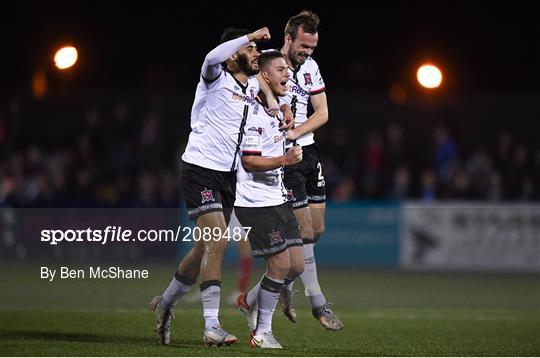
point(289, 283)
point(178, 287)
point(309, 278)
point(268, 299)
point(253, 294)
point(210, 296)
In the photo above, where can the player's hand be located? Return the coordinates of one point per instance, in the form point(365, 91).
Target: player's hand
point(291, 135)
point(272, 106)
point(288, 118)
point(294, 155)
point(260, 35)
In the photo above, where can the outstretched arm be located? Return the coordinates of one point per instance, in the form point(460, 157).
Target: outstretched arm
point(211, 68)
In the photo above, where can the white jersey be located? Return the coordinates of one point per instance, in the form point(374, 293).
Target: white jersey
point(262, 138)
point(303, 82)
point(218, 113)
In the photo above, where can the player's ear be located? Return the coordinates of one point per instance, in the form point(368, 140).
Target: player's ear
point(288, 38)
point(265, 76)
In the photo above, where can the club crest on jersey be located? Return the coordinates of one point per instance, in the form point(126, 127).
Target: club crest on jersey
point(252, 93)
point(290, 195)
point(307, 78)
point(207, 195)
point(273, 124)
point(275, 238)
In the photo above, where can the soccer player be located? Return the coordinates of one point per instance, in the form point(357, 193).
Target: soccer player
point(305, 181)
point(262, 204)
point(223, 99)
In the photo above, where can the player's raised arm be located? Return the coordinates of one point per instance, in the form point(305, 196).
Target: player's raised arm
point(211, 68)
point(315, 121)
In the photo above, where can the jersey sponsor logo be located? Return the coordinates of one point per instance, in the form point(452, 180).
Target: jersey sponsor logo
point(307, 79)
point(207, 195)
point(243, 98)
point(297, 90)
point(252, 93)
point(256, 129)
point(275, 237)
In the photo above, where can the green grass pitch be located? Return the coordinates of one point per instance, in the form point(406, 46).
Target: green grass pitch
point(386, 313)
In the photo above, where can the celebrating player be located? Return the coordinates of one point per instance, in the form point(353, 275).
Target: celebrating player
point(305, 180)
point(223, 99)
point(261, 203)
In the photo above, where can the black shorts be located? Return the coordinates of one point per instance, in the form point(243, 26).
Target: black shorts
point(208, 190)
point(305, 181)
point(273, 228)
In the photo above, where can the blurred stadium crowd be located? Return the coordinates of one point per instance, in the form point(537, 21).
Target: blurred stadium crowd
point(120, 156)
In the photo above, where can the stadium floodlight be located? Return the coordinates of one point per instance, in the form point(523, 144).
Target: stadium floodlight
point(429, 76)
point(66, 57)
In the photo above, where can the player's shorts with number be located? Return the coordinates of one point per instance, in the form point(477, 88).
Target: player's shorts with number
point(305, 181)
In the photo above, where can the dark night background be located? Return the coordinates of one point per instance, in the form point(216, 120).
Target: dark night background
point(159, 46)
point(109, 131)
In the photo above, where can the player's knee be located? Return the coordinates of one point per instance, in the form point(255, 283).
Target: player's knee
point(306, 232)
point(216, 248)
point(198, 251)
point(318, 230)
point(295, 269)
point(279, 266)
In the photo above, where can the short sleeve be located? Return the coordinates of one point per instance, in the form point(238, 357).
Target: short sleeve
point(318, 82)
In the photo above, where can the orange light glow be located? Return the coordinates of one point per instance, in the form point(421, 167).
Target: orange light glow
point(429, 76)
point(66, 57)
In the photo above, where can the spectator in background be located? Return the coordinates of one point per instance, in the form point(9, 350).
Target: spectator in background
point(395, 153)
point(527, 189)
point(428, 187)
point(372, 160)
point(494, 190)
point(401, 185)
point(536, 174)
point(517, 173)
point(479, 167)
point(3, 138)
point(344, 191)
point(150, 145)
point(445, 153)
point(147, 191)
point(460, 185)
point(503, 156)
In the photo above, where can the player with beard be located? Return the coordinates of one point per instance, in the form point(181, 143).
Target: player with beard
point(225, 93)
point(305, 181)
